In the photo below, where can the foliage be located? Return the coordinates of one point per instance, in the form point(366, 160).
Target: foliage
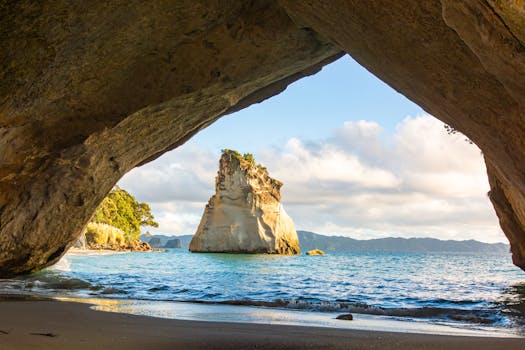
point(232, 152)
point(452, 131)
point(249, 158)
point(121, 210)
point(244, 158)
point(103, 236)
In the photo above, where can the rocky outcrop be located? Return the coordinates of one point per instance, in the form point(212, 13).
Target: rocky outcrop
point(245, 214)
point(155, 242)
point(345, 317)
point(315, 252)
point(173, 243)
point(92, 89)
point(80, 242)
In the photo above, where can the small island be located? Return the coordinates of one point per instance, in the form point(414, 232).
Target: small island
point(116, 224)
point(245, 214)
point(315, 252)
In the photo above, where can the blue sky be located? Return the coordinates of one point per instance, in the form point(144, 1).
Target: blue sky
point(312, 108)
point(356, 158)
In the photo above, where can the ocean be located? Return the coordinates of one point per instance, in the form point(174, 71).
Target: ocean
point(451, 293)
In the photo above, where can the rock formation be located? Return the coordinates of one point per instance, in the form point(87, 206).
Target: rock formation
point(80, 242)
point(315, 252)
point(345, 317)
point(245, 214)
point(92, 89)
point(173, 243)
point(155, 242)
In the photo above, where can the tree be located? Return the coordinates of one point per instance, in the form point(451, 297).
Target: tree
point(120, 209)
point(249, 158)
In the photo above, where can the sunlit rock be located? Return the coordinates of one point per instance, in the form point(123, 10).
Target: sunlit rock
point(315, 252)
point(245, 214)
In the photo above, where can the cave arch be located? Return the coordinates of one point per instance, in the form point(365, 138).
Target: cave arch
point(90, 91)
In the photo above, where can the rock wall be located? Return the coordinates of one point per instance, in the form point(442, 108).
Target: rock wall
point(463, 61)
point(245, 214)
point(92, 89)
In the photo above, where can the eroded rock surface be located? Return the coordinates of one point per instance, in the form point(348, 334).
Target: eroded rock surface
point(92, 89)
point(245, 214)
point(463, 61)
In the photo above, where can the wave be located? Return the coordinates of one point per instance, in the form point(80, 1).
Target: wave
point(53, 283)
point(62, 265)
point(479, 316)
point(50, 283)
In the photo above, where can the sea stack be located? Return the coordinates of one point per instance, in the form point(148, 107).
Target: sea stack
point(245, 214)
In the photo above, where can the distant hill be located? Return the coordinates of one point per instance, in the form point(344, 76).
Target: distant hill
point(184, 240)
point(311, 240)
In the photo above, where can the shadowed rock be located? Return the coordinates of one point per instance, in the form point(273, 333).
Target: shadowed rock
point(92, 89)
point(346, 317)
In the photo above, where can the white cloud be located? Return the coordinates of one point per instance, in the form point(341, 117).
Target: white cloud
point(176, 186)
point(325, 163)
point(359, 182)
point(183, 175)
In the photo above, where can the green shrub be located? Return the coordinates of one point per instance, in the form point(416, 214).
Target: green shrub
point(245, 159)
point(121, 210)
point(100, 236)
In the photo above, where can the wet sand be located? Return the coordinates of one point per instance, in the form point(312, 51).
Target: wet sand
point(45, 324)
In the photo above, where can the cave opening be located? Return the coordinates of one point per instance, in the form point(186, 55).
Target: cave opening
point(356, 157)
point(92, 90)
point(394, 199)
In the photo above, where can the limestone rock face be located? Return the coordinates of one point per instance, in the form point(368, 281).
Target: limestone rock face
point(245, 214)
point(91, 89)
point(462, 61)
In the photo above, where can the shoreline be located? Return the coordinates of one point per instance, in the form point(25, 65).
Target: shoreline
point(51, 324)
point(259, 314)
point(218, 312)
point(80, 251)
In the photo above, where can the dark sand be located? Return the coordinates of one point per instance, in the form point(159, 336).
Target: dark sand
point(62, 325)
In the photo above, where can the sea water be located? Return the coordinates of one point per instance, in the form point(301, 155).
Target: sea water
point(464, 291)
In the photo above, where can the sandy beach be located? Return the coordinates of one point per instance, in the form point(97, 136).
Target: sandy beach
point(46, 324)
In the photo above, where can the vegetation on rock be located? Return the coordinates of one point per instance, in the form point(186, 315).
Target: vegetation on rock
point(117, 221)
point(121, 210)
point(245, 214)
point(452, 131)
point(246, 159)
point(104, 236)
